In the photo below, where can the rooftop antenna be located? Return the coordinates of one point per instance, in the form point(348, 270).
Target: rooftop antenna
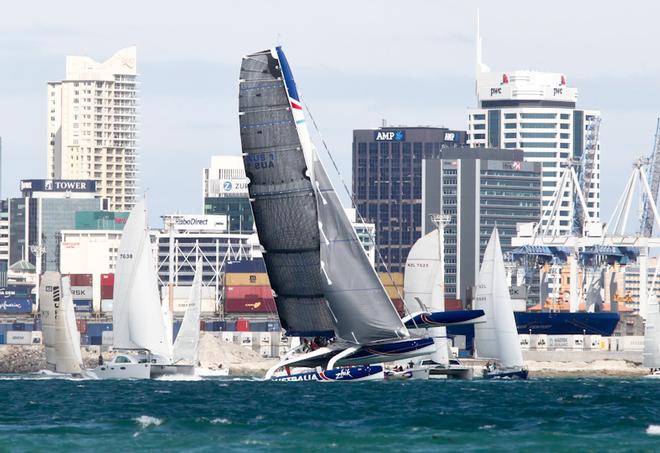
point(480, 66)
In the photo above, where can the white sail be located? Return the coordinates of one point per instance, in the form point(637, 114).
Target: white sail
point(136, 316)
point(186, 345)
point(497, 338)
point(651, 358)
point(60, 332)
point(424, 288)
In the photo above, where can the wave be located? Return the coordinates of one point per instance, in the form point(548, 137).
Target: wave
point(179, 377)
point(147, 420)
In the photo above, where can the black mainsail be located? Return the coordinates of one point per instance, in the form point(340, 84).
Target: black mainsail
point(316, 264)
point(282, 197)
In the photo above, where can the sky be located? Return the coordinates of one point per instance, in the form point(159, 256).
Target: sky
point(355, 63)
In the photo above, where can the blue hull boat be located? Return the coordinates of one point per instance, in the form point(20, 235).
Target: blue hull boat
point(354, 373)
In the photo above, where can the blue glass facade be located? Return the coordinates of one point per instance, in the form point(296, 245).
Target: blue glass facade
point(387, 184)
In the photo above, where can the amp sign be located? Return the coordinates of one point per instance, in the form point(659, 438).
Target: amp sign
point(390, 136)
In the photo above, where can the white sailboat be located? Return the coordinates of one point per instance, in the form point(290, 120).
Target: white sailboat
point(497, 338)
point(425, 291)
point(651, 358)
point(186, 345)
point(60, 332)
point(140, 330)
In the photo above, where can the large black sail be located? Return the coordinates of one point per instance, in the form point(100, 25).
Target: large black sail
point(281, 194)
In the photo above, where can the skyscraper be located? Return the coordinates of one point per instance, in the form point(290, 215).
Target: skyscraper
point(92, 126)
point(537, 112)
point(387, 184)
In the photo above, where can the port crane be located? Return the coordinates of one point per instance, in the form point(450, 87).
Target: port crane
point(599, 244)
point(653, 175)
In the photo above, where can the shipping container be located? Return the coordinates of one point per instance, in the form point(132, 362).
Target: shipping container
point(96, 341)
point(84, 340)
point(107, 292)
point(399, 305)
point(80, 279)
point(246, 339)
point(106, 305)
point(246, 279)
point(240, 292)
point(18, 337)
point(96, 329)
point(82, 293)
point(242, 325)
point(107, 280)
point(37, 337)
point(592, 341)
point(538, 342)
point(81, 324)
point(524, 341)
point(453, 304)
point(394, 292)
point(250, 305)
point(106, 337)
point(391, 279)
point(15, 291)
point(82, 306)
point(16, 306)
point(254, 266)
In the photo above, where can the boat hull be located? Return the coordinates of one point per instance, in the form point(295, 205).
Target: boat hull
point(140, 370)
point(389, 352)
point(421, 373)
point(344, 374)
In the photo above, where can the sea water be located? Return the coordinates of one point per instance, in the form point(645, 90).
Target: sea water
point(250, 415)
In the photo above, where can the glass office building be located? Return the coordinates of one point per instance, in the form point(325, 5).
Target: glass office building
point(387, 183)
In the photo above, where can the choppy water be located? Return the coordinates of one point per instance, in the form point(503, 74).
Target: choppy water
point(230, 415)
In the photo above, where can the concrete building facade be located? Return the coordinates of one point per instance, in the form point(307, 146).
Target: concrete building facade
point(93, 126)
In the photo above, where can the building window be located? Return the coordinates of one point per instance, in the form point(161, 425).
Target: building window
point(564, 116)
point(538, 135)
point(479, 117)
point(564, 145)
point(548, 116)
point(509, 125)
point(564, 135)
point(538, 125)
point(509, 116)
point(510, 135)
point(478, 126)
point(538, 145)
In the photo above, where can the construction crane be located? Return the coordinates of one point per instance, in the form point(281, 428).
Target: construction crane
point(587, 168)
point(653, 175)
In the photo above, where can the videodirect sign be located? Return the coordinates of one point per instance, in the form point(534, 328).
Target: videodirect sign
point(58, 185)
point(390, 136)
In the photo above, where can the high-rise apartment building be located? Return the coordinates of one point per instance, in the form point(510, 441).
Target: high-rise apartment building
point(387, 184)
point(93, 126)
point(537, 112)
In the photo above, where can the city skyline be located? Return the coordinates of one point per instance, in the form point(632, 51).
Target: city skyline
point(188, 81)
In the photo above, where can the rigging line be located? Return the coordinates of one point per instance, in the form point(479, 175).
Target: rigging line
point(354, 204)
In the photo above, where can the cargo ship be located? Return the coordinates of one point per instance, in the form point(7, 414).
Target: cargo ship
point(564, 323)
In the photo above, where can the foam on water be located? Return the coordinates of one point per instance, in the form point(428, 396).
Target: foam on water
point(146, 421)
point(179, 377)
point(653, 430)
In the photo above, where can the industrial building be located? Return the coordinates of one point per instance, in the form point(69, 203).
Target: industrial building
point(225, 192)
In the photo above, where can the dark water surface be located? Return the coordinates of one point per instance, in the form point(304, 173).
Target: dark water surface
point(244, 415)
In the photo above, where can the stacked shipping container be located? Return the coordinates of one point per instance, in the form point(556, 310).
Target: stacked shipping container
point(393, 283)
point(247, 288)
